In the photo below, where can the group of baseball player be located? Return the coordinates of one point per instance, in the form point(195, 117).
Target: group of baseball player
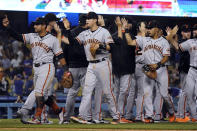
point(127, 68)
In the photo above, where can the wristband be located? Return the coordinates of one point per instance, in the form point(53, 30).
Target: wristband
point(159, 65)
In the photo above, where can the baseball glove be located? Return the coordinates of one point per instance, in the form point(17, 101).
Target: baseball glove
point(149, 72)
point(67, 80)
point(93, 48)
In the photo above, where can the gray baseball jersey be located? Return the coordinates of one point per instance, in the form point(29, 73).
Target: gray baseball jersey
point(99, 73)
point(190, 89)
point(154, 50)
point(101, 36)
point(43, 49)
point(190, 46)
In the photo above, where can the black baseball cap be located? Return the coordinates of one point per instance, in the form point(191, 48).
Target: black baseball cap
point(82, 19)
point(51, 17)
point(92, 15)
point(185, 28)
point(40, 21)
point(153, 24)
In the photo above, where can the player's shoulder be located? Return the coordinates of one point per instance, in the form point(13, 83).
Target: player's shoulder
point(188, 41)
point(85, 32)
point(51, 36)
point(103, 29)
point(163, 39)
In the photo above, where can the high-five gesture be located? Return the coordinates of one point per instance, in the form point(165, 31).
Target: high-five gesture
point(66, 23)
point(124, 24)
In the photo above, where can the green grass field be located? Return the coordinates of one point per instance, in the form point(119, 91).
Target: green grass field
point(16, 125)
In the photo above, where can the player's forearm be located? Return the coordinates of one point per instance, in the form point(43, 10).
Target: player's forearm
point(129, 39)
point(120, 32)
point(59, 37)
point(164, 60)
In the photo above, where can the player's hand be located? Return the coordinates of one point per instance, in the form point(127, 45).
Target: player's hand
point(142, 28)
point(66, 23)
point(124, 23)
point(175, 30)
point(118, 22)
point(153, 67)
point(65, 40)
point(101, 21)
point(5, 22)
point(57, 28)
point(168, 30)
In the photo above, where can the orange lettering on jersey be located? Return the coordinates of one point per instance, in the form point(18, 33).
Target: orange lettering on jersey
point(89, 41)
point(42, 45)
point(193, 48)
point(148, 47)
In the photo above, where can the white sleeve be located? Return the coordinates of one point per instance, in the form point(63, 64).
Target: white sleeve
point(166, 48)
point(185, 46)
point(139, 41)
point(57, 50)
point(26, 38)
point(107, 37)
point(80, 38)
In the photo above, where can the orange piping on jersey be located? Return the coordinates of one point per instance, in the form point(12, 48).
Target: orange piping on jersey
point(137, 46)
point(100, 106)
point(24, 38)
point(78, 40)
point(161, 103)
point(111, 88)
point(166, 54)
point(185, 105)
point(125, 100)
point(181, 48)
point(59, 53)
point(46, 79)
point(142, 108)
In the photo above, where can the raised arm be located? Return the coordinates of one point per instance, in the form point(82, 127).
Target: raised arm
point(130, 41)
point(119, 25)
point(172, 37)
point(12, 32)
point(59, 32)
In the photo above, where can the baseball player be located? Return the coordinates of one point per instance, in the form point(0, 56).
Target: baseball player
point(137, 81)
point(123, 65)
point(77, 64)
point(31, 99)
point(75, 58)
point(190, 87)
point(44, 46)
point(183, 69)
point(155, 52)
point(99, 68)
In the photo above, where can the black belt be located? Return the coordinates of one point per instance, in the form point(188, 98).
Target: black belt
point(39, 64)
point(194, 67)
point(97, 61)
